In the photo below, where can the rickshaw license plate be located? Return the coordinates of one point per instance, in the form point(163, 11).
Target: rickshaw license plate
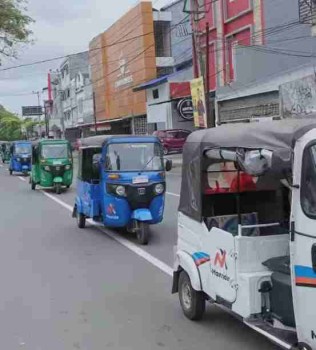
point(140, 180)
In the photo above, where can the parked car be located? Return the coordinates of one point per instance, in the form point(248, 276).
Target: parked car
point(172, 140)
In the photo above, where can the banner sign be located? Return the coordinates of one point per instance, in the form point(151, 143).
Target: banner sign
point(198, 100)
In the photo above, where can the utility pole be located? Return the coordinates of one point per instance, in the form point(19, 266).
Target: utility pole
point(39, 105)
point(209, 110)
point(207, 75)
point(95, 115)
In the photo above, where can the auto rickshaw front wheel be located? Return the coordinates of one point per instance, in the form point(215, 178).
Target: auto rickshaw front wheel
point(81, 220)
point(192, 301)
point(33, 186)
point(143, 233)
point(58, 188)
point(10, 172)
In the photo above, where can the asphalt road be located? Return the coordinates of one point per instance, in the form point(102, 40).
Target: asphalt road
point(63, 288)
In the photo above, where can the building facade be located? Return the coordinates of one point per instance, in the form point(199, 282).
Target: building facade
point(169, 104)
point(72, 98)
point(133, 50)
point(253, 44)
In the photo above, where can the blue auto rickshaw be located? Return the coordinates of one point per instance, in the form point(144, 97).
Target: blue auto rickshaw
point(20, 157)
point(121, 183)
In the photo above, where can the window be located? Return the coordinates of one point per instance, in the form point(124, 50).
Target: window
point(183, 134)
point(171, 134)
point(155, 94)
point(308, 185)
point(134, 157)
point(55, 151)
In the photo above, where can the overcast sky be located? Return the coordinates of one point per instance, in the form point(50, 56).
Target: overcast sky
point(62, 27)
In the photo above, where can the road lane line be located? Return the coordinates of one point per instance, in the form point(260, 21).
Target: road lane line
point(121, 240)
point(22, 178)
point(172, 194)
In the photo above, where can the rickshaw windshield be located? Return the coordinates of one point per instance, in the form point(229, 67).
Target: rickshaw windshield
point(134, 157)
point(22, 149)
point(57, 151)
point(308, 192)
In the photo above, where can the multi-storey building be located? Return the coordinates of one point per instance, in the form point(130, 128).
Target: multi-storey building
point(254, 46)
point(135, 49)
point(73, 97)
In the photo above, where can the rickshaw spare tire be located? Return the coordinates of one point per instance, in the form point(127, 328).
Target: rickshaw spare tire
point(143, 233)
point(81, 220)
point(58, 188)
point(192, 301)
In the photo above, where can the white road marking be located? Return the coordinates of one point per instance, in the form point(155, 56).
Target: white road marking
point(1, 165)
point(22, 178)
point(172, 194)
point(123, 241)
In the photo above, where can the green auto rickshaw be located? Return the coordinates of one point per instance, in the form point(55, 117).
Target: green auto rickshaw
point(5, 151)
point(52, 164)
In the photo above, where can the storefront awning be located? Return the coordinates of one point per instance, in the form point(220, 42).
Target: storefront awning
point(155, 82)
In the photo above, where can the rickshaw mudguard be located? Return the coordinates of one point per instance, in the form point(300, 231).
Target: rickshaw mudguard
point(78, 205)
point(142, 215)
point(185, 262)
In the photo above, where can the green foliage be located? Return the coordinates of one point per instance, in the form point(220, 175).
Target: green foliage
point(14, 26)
point(11, 126)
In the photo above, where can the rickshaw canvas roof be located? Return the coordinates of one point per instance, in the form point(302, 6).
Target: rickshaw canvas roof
point(276, 136)
point(99, 141)
point(48, 141)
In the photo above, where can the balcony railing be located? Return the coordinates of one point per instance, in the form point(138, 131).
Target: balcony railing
point(307, 11)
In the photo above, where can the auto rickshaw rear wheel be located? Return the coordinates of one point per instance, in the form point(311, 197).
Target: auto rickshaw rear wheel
point(81, 220)
point(143, 233)
point(10, 172)
point(192, 301)
point(33, 185)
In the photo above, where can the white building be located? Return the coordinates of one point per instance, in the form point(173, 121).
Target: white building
point(73, 97)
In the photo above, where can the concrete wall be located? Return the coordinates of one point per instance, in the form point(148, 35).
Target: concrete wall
point(282, 32)
point(181, 36)
point(298, 98)
point(159, 110)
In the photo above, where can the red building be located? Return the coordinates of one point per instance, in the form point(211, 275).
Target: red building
point(231, 23)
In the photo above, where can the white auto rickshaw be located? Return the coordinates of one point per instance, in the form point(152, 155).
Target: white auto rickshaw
point(247, 227)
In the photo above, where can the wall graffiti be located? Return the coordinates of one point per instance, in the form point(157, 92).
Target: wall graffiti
point(298, 98)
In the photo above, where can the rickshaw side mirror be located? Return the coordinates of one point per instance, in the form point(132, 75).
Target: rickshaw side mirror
point(168, 164)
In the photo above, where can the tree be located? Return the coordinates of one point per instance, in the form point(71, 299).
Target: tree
point(11, 126)
point(14, 26)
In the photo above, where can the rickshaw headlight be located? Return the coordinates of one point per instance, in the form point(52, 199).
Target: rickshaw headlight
point(120, 191)
point(159, 189)
point(68, 167)
point(46, 168)
point(18, 159)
